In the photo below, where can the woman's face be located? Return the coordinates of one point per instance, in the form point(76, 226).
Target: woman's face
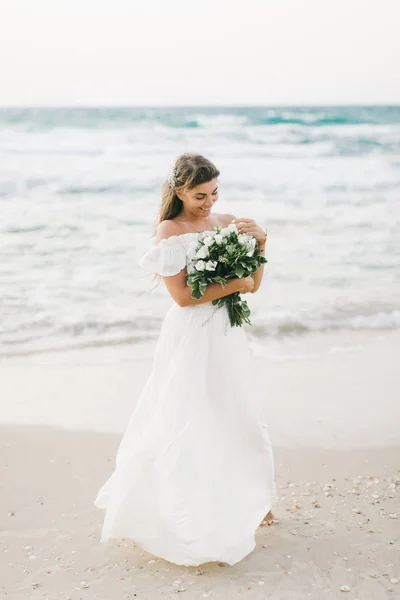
point(200, 199)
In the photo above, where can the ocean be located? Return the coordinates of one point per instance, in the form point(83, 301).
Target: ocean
point(80, 189)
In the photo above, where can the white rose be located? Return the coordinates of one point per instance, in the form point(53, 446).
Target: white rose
point(190, 268)
point(218, 238)
point(232, 227)
point(224, 232)
point(251, 245)
point(202, 253)
point(191, 253)
point(211, 264)
point(208, 240)
point(200, 265)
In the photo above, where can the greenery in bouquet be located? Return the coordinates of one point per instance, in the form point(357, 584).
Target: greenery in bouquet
point(219, 256)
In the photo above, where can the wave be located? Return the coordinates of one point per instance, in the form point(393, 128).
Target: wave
point(40, 119)
point(337, 320)
point(66, 346)
point(117, 188)
point(95, 334)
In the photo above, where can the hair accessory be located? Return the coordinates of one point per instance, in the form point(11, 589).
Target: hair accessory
point(172, 178)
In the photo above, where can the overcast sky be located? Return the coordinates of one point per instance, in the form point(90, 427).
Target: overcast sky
point(180, 52)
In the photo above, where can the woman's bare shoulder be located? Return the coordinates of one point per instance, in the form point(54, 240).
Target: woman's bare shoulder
point(170, 227)
point(167, 229)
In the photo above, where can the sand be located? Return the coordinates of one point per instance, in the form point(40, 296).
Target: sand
point(334, 415)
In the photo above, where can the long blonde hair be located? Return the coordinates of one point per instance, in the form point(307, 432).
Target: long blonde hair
point(190, 169)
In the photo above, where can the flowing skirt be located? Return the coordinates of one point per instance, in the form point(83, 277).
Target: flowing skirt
point(194, 473)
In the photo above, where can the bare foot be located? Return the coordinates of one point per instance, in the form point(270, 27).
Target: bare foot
point(268, 519)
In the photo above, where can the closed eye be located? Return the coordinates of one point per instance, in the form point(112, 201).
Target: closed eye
point(201, 196)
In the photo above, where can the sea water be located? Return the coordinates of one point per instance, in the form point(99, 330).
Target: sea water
point(80, 189)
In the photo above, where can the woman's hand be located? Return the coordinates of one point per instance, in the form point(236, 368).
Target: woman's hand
point(250, 227)
point(245, 284)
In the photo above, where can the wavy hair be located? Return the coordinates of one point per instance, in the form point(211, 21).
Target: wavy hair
point(190, 169)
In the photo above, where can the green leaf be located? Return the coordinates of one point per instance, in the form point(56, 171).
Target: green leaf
point(196, 294)
point(239, 271)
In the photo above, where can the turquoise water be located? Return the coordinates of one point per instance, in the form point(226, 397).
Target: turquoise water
point(80, 188)
point(38, 119)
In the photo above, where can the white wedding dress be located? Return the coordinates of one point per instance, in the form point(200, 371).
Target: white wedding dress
point(194, 472)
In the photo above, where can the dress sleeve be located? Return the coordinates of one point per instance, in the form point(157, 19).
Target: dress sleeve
point(166, 258)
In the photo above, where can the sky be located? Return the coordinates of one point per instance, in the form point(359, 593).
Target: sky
point(211, 52)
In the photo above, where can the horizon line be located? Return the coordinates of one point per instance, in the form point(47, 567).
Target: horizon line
point(311, 105)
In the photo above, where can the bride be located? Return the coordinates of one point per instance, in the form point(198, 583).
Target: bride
point(194, 473)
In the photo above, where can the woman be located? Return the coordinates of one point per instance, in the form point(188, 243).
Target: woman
point(194, 471)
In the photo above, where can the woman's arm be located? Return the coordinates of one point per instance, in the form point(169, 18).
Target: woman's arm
point(258, 275)
point(182, 293)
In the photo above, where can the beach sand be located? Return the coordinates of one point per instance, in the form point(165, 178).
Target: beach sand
point(334, 411)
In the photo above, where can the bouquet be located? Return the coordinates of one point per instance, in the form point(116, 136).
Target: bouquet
point(217, 257)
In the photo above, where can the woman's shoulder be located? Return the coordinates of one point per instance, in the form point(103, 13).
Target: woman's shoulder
point(173, 229)
point(167, 229)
